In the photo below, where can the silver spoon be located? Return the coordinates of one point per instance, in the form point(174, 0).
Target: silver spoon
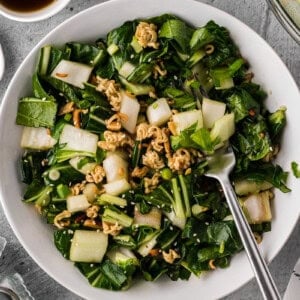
point(8, 293)
point(220, 165)
point(2, 63)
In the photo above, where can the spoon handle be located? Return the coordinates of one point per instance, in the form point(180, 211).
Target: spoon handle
point(258, 264)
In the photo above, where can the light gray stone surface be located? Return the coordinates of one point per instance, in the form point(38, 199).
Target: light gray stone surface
point(18, 39)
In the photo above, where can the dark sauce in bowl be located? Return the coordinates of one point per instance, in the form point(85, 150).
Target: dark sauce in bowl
point(26, 5)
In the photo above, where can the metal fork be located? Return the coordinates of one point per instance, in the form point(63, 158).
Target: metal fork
point(220, 165)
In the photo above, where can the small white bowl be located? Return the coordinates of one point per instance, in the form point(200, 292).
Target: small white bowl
point(33, 16)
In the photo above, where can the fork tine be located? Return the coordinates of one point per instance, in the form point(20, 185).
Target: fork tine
point(222, 161)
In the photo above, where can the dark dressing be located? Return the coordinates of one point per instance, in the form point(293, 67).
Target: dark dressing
point(25, 5)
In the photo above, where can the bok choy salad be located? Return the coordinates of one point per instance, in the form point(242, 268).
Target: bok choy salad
point(116, 138)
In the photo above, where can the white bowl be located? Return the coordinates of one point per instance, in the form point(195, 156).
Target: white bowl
point(34, 16)
point(36, 236)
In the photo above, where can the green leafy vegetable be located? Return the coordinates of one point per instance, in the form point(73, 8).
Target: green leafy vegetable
point(225, 49)
point(273, 174)
point(200, 37)
point(85, 53)
point(35, 112)
point(295, 169)
point(277, 122)
point(182, 100)
point(253, 139)
point(69, 92)
point(31, 166)
point(243, 105)
point(63, 173)
point(222, 74)
point(178, 31)
point(62, 241)
point(140, 73)
point(38, 193)
point(184, 140)
point(38, 89)
point(203, 139)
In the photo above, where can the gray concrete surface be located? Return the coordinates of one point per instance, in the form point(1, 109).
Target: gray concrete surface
point(18, 39)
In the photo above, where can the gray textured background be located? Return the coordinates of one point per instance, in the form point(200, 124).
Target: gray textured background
point(18, 39)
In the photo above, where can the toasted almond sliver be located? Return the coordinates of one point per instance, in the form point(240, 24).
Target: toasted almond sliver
point(61, 75)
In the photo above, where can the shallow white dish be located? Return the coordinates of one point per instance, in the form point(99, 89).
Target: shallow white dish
point(36, 236)
point(38, 15)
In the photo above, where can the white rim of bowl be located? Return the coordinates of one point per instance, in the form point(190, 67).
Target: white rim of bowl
point(34, 16)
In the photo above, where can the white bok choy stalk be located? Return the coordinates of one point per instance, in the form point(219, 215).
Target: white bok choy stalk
point(37, 138)
point(129, 112)
point(151, 219)
point(223, 128)
point(78, 163)
point(148, 243)
point(90, 191)
point(115, 167)
point(257, 207)
point(88, 246)
point(181, 208)
point(72, 72)
point(212, 111)
point(186, 119)
point(77, 203)
point(123, 257)
point(78, 140)
point(117, 187)
point(159, 112)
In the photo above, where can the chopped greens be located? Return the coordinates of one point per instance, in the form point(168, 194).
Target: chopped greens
point(295, 169)
point(116, 138)
point(35, 112)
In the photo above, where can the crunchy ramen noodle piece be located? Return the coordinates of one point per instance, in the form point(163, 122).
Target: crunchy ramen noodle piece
point(92, 211)
point(113, 140)
point(152, 160)
point(140, 172)
point(96, 175)
point(67, 108)
point(180, 160)
point(211, 264)
point(159, 71)
point(172, 128)
point(112, 91)
point(110, 228)
point(153, 131)
point(142, 131)
point(151, 184)
point(160, 138)
point(258, 237)
point(62, 219)
point(77, 188)
point(152, 94)
point(114, 123)
point(92, 224)
point(76, 117)
point(146, 35)
point(170, 256)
